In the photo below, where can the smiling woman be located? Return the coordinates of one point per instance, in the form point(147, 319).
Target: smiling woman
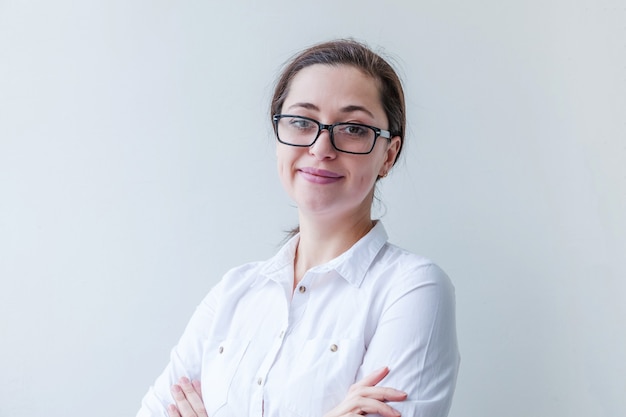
point(333, 188)
point(339, 322)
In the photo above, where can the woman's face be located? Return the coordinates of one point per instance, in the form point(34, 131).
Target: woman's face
point(320, 179)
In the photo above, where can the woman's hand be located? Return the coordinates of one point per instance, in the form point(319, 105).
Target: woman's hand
point(188, 397)
point(366, 398)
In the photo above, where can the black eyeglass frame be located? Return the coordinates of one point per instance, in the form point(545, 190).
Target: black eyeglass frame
point(386, 134)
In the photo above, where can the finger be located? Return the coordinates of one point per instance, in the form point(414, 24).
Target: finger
point(373, 378)
point(381, 393)
point(193, 396)
point(182, 404)
point(197, 387)
point(369, 400)
point(172, 411)
point(372, 406)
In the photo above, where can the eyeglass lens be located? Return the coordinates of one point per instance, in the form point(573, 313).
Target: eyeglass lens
point(347, 137)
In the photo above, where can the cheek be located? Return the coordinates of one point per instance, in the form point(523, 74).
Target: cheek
point(367, 180)
point(284, 162)
point(368, 176)
point(282, 170)
point(283, 154)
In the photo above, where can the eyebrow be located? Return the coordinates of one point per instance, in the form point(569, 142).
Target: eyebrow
point(347, 109)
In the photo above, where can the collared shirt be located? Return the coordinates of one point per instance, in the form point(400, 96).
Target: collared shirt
point(261, 349)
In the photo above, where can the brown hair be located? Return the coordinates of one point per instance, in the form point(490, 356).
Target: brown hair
point(358, 55)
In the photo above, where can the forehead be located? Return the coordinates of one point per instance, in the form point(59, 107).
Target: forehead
point(335, 86)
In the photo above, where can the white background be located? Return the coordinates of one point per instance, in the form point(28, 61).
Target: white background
point(137, 165)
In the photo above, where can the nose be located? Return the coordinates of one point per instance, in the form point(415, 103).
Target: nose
point(323, 147)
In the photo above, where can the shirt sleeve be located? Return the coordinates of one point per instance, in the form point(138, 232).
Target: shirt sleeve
point(416, 339)
point(185, 358)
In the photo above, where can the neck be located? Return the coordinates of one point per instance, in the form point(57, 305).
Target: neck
point(323, 239)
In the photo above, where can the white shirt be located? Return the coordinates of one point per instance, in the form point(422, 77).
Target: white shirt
point(261, 350)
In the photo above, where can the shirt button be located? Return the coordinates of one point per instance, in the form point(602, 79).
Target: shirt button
point(302, 289)
point(282, 334)
point(333, 348)
point(221, 350)
point(259, 381)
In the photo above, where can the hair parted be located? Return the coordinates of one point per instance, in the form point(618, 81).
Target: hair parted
point(356, 54)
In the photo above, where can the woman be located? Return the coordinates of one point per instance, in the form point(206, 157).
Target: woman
point(339, 322)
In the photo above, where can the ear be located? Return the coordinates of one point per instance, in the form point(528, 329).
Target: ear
point(390, 155)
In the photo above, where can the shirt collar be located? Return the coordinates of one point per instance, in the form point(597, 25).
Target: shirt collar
point(352, 265)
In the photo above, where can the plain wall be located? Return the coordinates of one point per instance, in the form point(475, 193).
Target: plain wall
point(137, 166)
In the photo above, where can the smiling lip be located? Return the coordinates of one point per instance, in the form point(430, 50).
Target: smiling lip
point(319, 176)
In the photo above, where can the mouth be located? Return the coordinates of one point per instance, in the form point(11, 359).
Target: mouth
point(319, 176)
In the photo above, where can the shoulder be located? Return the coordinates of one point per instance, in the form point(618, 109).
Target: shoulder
point(397, 273)
point(400, 264)
point(244, 275)
point(234, 284)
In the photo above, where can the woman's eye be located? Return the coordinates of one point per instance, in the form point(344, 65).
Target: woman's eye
point(301, 124)
point(355, 130)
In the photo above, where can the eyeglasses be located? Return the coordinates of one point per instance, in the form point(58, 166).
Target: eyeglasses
point(303, 131)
